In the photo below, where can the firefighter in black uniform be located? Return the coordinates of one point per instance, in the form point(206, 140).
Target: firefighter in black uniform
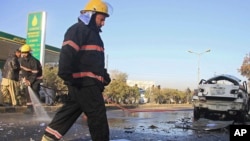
point(10, 76)
point(81, 66)
point(31, 74)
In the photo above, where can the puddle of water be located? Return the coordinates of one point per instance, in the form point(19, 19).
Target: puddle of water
point(38, 108)
point(120, 140)
point(150, 122)
point(143, 121)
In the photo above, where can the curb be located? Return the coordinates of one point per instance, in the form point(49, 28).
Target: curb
point(20, 109)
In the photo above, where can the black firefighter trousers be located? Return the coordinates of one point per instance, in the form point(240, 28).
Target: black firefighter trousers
point(85, 99)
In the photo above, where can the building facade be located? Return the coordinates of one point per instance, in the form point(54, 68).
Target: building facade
point(9, 43)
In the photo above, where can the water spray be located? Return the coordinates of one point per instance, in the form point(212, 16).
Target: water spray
point(38, 108)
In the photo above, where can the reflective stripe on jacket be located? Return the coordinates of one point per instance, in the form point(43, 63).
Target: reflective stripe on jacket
point(81, 60)
point(31, 68)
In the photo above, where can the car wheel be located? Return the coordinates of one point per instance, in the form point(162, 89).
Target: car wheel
point(248, 107)
point(196, 113)
point(241, 117)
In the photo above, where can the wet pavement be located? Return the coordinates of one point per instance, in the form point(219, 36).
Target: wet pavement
point(172, 124)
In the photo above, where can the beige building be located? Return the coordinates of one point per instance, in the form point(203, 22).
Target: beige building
point(141, 84)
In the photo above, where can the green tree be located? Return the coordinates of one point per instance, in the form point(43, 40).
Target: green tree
point(51, 79)
point(245, 67)
point(149, 94)
point(134, 93)
point(117, 90)
point(117, 75)
point(157, 94)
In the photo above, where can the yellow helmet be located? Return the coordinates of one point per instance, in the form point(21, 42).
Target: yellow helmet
point(25, 48)
point(97, 6)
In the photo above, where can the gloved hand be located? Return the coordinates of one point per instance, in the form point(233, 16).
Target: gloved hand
point(107, 79)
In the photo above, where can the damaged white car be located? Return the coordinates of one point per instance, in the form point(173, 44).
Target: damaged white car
point(222, 97)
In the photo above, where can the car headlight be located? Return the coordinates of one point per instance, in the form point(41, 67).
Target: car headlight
point(234, 91)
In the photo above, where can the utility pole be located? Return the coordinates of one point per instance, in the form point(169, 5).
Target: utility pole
point(199, 55)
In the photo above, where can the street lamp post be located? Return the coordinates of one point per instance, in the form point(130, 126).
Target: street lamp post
point(199, 55)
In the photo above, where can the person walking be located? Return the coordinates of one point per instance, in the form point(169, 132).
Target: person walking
point(82, 67)
point(31, 74)
point(10, 77)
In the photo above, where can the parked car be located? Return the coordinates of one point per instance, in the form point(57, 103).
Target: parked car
point(143, 100)
point(222, 97)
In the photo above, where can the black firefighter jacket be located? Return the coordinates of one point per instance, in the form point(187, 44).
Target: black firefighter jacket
point(11, 68)
point(31, 69)
point(81, 61)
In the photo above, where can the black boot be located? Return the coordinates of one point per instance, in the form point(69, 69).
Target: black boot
point(29, 110)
